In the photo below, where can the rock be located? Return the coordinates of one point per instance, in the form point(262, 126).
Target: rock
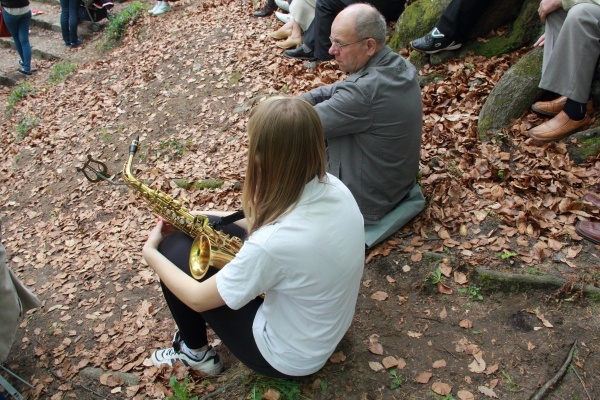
point(502, 104)
point(583, 145)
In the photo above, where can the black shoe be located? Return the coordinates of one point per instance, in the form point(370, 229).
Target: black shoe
point(76, 43)
point(265, 11)
point(28, 73)
point(434, 42)
point(302, 53)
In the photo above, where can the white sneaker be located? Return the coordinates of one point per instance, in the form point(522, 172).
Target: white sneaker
point(283, 4)
point(283, 17)
point(161, 9)
point(210, 363)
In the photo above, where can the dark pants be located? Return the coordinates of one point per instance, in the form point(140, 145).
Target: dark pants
point(460, 16)
point(234, 327)
point(69, 18)
point(317, 35)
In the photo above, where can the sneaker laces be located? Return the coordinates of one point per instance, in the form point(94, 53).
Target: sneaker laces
point(435, 33)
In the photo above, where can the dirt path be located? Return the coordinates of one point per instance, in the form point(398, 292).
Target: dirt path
point(184, 82)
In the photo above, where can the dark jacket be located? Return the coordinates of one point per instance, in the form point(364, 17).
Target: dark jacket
point(14, 3)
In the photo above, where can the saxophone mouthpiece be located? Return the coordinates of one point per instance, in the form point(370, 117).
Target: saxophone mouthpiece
point(134, 145)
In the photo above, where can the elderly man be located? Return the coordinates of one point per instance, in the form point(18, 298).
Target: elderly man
point(571, 48)
point(372, 122)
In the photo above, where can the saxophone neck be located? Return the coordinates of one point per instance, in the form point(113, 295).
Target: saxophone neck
point(127, 167)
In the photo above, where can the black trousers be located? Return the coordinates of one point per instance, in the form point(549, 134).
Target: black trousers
point(234, 327)
point(460, 16)
point(317, 35)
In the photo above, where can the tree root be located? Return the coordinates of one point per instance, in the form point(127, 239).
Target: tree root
point(505, 281)
point(541, 393)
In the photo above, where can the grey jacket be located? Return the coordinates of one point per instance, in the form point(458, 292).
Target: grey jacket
point(15, 299)
point(373, 126)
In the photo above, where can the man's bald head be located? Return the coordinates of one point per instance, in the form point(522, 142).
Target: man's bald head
point(366, 20)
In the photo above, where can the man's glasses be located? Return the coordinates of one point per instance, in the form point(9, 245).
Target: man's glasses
point(340, 46)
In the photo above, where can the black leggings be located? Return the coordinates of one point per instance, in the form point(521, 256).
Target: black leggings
point(234, 327)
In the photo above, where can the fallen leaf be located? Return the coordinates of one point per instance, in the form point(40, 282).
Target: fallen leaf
point(375, 366)
point(414, 334)
point(374, 346)
point(487, 391)
point(460, 278)
point(466, 323)
point(443, 313)
point(271, 394)
point(379, 296)
point(337, 358)
point(424, 377)
point(444, 289)
point(389, 362)
point(478, 365)
point(465, 395)
point(491, 369)
point(441, 388)
point(439, 364)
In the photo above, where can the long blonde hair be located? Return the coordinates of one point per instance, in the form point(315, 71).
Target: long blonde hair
point(286, 151)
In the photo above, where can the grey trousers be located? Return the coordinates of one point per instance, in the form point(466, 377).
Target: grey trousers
point(571, 51)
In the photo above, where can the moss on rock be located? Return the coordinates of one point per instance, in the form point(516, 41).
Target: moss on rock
point(416, 20)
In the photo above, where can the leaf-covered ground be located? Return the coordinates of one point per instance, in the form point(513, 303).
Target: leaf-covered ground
point(424, 326)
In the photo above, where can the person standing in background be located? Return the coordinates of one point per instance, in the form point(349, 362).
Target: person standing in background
point(17, 17)
point(69, 19)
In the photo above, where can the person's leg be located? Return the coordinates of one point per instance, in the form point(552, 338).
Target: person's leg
point(12, 23)
point(64, 21)
point(73, 21)
point(453, 26)
point(176, 248)
point(459, 17)
point(325, 13)
point(569, 69)
point(268, 9)
point(570, 56)
point(24, 24)
point(234, 327)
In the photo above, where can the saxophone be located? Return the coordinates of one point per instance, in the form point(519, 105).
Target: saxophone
point(211, 248)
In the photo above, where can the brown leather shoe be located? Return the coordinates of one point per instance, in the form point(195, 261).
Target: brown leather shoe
point(589, 230)
point(592, 198)
point(553, 107)
point(558, 128)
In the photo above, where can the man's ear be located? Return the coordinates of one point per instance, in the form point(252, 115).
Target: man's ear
point(371, 47)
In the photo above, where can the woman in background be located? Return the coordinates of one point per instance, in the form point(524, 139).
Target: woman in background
point(17, 17)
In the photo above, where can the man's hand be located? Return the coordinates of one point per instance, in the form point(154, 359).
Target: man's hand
point(547, 7)
point(540, 41)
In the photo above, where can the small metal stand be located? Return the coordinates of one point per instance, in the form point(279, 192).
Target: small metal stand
point(10, 388)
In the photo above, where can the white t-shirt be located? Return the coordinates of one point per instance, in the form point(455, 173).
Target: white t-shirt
point(309, 263)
